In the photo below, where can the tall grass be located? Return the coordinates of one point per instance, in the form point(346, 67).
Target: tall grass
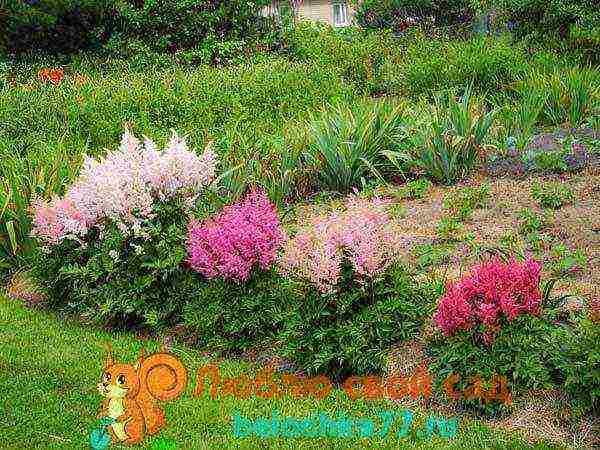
point(448, 145)
point(21, 180)
point(349, 144)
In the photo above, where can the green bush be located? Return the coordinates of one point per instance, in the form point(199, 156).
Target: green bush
point(215, 30)
point(552, 195)
point(549, 17)
point(448, 148)
point(462, 203)
point(399, 14)
point(349, 144)
point(233, 317)
point(56, 26)
point(582, 365)
point(489, 64)
point(350, 332)
point(527, 351)
point(121, 279)
point(361, 58)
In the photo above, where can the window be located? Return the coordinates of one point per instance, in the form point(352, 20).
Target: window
point(340, 13)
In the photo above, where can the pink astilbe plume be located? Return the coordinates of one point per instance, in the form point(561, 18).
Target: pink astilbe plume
point(244, 235)
point(124, 186)
point(491, 290)
point(362, 235)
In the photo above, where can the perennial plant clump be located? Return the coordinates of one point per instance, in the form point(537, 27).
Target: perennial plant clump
point(242, 236)
point(361, 236)
point(491, 290)
point(124, 186)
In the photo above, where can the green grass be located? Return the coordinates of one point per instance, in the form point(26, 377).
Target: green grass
point(49, 369)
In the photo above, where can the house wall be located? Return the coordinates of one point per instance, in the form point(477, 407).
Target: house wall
point(316, 10)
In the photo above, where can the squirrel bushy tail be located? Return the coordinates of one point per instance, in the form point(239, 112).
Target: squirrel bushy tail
point(162, 377)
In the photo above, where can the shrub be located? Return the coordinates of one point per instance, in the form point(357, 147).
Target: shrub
point(61, 26)
point(448, 148)
point(354, 298)
point(233, 316)
point(554, 17)
point(552, 195)
point(400, 14)
point(489, 64)
point(113, 246)
point(349, 144)
point(493, 324)
point(582, 365)
point(463, 203)
point(351, 331)
point(213, 28)
point(243, 236)
point(123, 187)
point(360, 58)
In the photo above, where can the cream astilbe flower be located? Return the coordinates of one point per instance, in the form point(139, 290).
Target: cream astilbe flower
point(124, 186)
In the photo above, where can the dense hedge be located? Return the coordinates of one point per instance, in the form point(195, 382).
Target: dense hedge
point(68, 26)
point(57, 26)
point(398, 15)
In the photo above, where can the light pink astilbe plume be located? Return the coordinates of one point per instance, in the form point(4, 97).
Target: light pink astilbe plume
point(491, 290)
point(124, 186)
point(244, 235)
point(362, 235)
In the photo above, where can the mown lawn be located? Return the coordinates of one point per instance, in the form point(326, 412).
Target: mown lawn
point(49, 369)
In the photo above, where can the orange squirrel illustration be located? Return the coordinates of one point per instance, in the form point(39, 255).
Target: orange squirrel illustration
point(132, 391)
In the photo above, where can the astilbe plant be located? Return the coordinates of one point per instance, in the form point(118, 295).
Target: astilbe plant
point(124, 186)
point(244, 235)
point(362, 236)
point(492, 290)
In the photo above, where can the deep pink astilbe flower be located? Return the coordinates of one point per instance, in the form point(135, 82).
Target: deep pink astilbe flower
point(242, 236)
point(491, 290)
point(124, 186)
point(362, 235)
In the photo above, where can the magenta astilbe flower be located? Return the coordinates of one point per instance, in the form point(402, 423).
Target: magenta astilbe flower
point(124, 186)
point(362, 235)
point(243, 236)
point(491, 290)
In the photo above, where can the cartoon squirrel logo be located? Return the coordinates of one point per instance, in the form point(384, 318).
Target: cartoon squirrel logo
point(130, 410)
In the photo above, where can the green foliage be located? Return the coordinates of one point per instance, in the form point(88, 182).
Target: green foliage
point(210, 31)
point(448, 148)
point(434, 254)
point(582, 365)
point(553, 17)
point(233, 317)
point(349, 332)
point(489, 64)
point(122, 278)
point(21, 179)
point(552, 195)
point(463, 202)
point(527, 351)
point(56, 26)
point(531, 222)
point(415, 189)
point(569, 96)
point(393, 14)
point(349, 144)
point(361, 59)
point(566, 261)
point(450, 230)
